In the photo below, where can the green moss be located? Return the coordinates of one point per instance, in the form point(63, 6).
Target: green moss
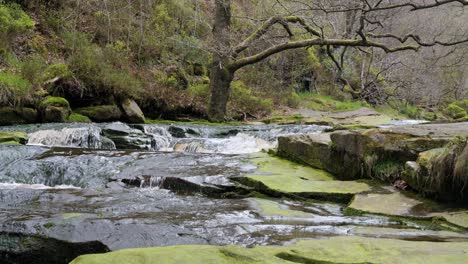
point(68, 216)
point(329, 250)
point(13, 138)
point(387, 204)
point(55, 101)
point(459, 218)
point(101, 113)
point(77, 118)
point(276, 176)
point(454, 111)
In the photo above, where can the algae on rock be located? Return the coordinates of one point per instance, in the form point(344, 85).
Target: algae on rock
point(350, 249)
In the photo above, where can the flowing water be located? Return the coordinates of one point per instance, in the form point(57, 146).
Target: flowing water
point(158, 185)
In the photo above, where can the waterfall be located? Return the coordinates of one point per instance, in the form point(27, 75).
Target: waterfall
point(162, 138)
point(83, 137)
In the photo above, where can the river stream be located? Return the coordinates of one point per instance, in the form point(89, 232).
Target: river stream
point(159, 185)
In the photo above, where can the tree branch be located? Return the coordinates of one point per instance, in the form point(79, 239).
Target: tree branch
point(316, 42)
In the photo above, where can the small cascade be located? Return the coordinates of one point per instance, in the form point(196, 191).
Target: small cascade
point(239, 144)
point(156, 182)
point(162, 138)
point(192, 147)
point(83, 137)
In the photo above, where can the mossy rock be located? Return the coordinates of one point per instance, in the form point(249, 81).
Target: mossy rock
point(279, 177)
point(54, 109)
point(395, 204)
point(15, 116)
point(55, 114)
point(55, 101)
point(13, 138)
point(77, 118)
point(345, 249)
point(101, 113)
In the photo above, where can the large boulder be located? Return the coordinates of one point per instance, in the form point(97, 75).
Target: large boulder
point(54, 110)
point(132, 111)
point(101, 113)
point(15, 116)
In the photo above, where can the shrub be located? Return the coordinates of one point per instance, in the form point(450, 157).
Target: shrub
point(13, 20)
point(463, 104)
point(92, 65)
point(32, 69)
point(13, 89)
point(57, 70)
point(454, 111)
point(405, 108)
point(243, 100)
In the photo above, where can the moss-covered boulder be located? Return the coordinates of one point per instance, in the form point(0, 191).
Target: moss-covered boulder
point(132, 111)
point(342, 250)
point(54, 109)
point(441, 173)
point(15, 116)
point(13, 138)
point(101, 113)
point(77, 118)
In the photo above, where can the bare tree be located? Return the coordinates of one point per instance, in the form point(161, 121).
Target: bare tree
point(369, 32)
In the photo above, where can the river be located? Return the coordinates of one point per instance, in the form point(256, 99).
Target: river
point(159, 185)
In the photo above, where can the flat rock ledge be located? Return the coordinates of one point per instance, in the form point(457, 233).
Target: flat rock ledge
point(329, 250)
point(391, 154)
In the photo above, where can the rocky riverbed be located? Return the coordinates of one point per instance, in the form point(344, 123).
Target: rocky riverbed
point(77, 189)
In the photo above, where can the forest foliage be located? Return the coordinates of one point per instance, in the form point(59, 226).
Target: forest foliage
point(158, 52)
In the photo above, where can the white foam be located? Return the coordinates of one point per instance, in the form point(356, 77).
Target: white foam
point(13, 186)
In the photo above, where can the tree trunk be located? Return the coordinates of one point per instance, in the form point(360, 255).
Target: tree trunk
point(220, 85)
point(221, 72)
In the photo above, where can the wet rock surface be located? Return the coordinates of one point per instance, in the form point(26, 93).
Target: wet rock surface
point(180, 190)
